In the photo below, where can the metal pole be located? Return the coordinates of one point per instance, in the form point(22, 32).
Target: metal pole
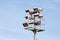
point(34, 34)
point(34, 30)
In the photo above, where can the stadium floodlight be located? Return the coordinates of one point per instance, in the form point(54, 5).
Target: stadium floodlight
point(40, 9)
point(25, 24)
point(40, 16)
point(36, 15)
point(26, 17)
point(37, 10)
point(30, 18)
point(32, 25)
point(27, 10)
point(37, 23)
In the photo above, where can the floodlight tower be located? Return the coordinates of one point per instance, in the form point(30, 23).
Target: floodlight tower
point(35, 23)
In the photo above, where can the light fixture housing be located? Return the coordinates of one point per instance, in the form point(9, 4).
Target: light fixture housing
point(25, 24)
point(37, 23)
point(40, 16)
point(27, 10)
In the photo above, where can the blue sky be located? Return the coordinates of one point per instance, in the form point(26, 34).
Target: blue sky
point(12, 13)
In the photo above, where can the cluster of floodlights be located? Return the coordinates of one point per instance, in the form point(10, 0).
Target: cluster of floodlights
point(33, 14)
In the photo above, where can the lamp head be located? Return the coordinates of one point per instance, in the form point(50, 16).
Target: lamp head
point(27, 10)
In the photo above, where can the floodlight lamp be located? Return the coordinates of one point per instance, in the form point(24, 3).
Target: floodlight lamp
point(25, 24)
point(37, 14)
point(40, 16)
point(31, 18)
point(37, 23)
point(35, 9)
point(27, 11)
point(40, 9)
point(31, 12)
point(26, 17)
